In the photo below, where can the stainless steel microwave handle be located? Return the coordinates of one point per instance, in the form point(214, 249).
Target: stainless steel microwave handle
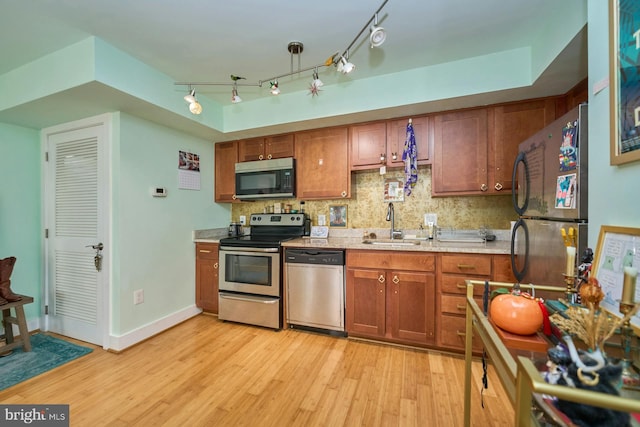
point(244, 249)
point(248, 298)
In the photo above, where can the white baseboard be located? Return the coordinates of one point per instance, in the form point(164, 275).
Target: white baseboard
point(122, 342)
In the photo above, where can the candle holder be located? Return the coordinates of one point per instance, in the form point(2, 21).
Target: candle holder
point(630, 378)
point(571, 293)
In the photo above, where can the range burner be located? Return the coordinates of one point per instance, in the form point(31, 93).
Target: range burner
point(270, 230)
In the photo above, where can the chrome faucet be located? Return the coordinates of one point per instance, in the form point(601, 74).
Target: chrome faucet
point(394, 234)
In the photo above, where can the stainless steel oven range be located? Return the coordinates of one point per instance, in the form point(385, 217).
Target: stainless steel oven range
point(250, 287)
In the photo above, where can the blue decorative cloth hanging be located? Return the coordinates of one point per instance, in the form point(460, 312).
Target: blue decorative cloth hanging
point(410, 159)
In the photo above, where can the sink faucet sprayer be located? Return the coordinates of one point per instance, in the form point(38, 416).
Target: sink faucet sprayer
point(394, 234)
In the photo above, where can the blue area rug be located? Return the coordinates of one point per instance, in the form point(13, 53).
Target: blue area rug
point(46, 353)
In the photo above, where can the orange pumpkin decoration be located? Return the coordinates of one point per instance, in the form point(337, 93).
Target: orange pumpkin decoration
point(517, 314)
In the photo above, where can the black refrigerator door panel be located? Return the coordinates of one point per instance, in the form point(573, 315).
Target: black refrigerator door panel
point(539, 255)
point(551, 170)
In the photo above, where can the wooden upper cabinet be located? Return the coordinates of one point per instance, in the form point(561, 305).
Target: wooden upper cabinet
point(510, 125)
point(397, 135)
point(460, 145)
point(322, 164)
point(368, 145)
point(226, 157)
point(270, 147)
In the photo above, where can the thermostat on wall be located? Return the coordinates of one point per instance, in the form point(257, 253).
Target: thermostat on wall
point(159, 192)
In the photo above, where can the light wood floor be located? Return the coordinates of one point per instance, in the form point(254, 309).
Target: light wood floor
point(205, 372)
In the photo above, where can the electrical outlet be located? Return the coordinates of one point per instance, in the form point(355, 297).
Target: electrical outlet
point(243, 220)
point(138, 296)
point(430, 217)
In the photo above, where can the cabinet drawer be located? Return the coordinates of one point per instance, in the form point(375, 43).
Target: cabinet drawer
point(392, 260)
point(467, 264)
point(450, 284)
point(452, 333)
point(452, 304)
point(207, 250)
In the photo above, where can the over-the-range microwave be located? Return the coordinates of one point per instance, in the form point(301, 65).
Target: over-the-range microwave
point(266, 179)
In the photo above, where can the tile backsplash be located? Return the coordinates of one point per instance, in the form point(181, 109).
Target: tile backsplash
point(367, 208)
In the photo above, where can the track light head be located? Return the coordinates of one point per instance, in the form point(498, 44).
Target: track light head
point(377, 34)
point(275, 90)
point(235, 98)
point(195, 108)
point(344, 66)
point(191, 96)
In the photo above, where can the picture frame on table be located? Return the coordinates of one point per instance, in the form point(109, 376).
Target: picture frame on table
point(624, 81)
point(618, 247)
point(338, 216)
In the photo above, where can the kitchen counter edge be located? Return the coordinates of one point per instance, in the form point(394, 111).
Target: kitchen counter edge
point(500, 247)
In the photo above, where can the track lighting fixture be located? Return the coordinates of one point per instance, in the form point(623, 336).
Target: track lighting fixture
point(377, 34)
point(275, 90)
point(316, 80)
point(344, 66)
point(235, 98)
point(194, 105)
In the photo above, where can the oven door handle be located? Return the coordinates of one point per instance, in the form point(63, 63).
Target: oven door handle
point(250, 299)
point(245, 249)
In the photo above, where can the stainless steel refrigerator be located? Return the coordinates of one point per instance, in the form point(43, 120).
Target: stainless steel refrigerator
point(550, 195)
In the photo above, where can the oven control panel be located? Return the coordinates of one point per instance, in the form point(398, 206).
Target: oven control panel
point(283, 219)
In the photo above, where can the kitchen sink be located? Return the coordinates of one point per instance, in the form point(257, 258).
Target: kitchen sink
point(390, 242)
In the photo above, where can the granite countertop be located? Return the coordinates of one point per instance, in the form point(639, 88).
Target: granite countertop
point(351, 239)
point(495, 247)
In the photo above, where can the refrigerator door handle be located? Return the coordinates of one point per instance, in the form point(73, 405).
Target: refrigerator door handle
point(520, 273)
point(522, 158)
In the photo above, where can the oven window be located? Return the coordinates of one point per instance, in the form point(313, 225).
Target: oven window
point(248, 269)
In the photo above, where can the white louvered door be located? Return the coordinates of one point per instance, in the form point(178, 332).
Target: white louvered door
point(76, 191)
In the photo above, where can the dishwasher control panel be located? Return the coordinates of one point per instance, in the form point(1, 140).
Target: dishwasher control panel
point(312, 256)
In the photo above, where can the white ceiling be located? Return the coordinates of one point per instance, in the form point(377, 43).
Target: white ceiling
point(206, 41)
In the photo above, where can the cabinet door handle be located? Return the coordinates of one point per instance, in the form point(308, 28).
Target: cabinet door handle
point(382, 158)
point(233, 197)
point(466, 266)
point(269, 156)
point(260, 157)
point(461, 286)
point(215, 265)
point(204, 251)
point(498, 186)
point(461, 334)
point(484, 187)
point(394, 156)
point(396, 280)
point(381, 278)
point(343, 194)
point(461, 307)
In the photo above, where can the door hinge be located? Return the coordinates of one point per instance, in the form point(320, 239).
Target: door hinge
point(46, 309)
point(46, 156)
point(46, 233)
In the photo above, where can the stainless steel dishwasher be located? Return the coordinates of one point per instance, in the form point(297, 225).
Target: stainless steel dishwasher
point(315, 286)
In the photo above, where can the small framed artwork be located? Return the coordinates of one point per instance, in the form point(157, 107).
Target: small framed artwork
point(624, 84)
point(616, 257)
point(338, 216)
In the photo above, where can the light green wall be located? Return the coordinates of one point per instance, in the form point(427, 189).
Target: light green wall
point(613, 190)
point(20, 218)
point(154, 250)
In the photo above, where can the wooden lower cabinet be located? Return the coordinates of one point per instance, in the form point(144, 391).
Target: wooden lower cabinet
point(390, 296)
point(207, 276)
point(453, 270)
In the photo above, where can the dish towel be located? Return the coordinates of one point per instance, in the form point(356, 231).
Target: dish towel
point(410, 159)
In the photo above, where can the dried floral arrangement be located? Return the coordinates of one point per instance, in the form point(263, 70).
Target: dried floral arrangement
point(591, 325)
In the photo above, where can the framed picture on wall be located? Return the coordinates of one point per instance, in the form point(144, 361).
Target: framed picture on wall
point(624, 80)
point(338, 216)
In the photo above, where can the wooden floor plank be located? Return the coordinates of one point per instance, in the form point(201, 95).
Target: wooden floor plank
point(207, 372)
